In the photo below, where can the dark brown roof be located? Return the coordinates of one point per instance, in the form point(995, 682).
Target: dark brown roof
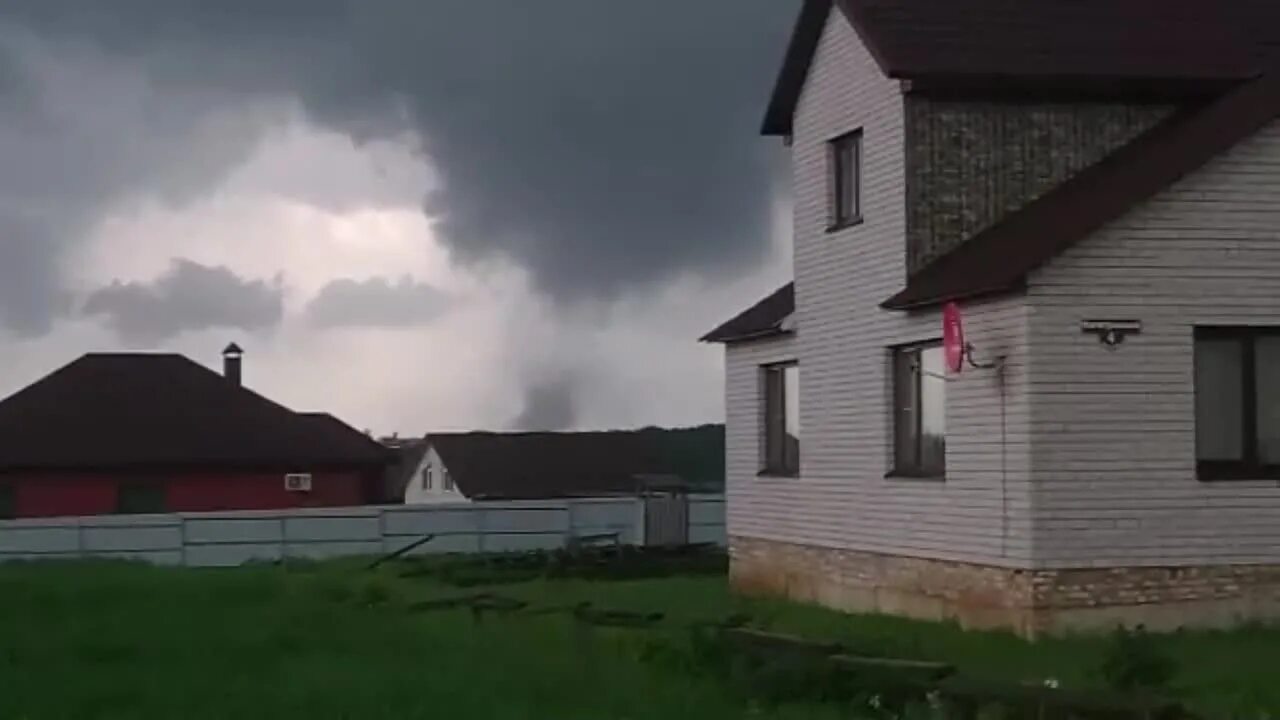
point(525, 466)
point(117, 411)
point(405, 456)
point(1162, 45)
point(999, 258)
point(760, 320)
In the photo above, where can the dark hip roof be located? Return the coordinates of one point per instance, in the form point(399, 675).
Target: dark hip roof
point(1161, 46)
point(121, 411)
point(999, 258)
point(529, 466)
point(758, 321)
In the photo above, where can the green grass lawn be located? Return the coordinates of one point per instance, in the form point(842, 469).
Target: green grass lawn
point(337, 641)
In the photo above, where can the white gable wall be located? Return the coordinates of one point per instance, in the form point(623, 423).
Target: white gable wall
point(842, 498)
point(1114, 432)
point(416, 494)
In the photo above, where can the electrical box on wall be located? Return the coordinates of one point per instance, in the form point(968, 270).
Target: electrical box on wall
point(297, 482)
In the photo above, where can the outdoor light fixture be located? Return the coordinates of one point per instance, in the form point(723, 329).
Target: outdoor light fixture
point(1111, 333)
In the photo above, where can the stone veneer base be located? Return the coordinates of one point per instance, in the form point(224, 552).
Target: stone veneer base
point(1029, 602)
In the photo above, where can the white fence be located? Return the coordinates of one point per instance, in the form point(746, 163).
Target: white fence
point(232, 538)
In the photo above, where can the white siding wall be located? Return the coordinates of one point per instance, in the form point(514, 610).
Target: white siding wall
point(757, 507)
point(1114, 453)
point(416, 494)
point(842, 498)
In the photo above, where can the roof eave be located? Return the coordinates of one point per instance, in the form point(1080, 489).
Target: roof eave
point(795, 68)
point(908, 301)
point(750, 337)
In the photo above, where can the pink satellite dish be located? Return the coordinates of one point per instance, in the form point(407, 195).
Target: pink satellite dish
point(953, 346)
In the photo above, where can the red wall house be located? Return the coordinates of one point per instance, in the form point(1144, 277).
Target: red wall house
point(37, 495)
point(149, 433)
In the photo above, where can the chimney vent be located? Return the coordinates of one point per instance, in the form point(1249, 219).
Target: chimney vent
point(231, 363)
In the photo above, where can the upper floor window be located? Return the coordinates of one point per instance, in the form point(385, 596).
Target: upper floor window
point(781, 419)
point(1237, 405)
point(919, 411)
point(426, 478)
point(846, 180)
point(448, 481)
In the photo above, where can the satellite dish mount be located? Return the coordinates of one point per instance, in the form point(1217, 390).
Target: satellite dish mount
point(956, 349)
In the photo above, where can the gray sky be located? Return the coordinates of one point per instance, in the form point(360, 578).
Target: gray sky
point(415, 215)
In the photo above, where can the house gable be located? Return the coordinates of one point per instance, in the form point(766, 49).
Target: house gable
point(416, 492)
point(983, 145)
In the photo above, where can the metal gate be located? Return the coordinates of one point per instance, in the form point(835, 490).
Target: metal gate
point(666, 519)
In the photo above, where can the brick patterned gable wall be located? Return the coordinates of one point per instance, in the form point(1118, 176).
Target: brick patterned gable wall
point(971, 163)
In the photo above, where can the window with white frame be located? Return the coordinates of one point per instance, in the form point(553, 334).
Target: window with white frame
point(448, 481)
point(919, 411)
point(426, 478)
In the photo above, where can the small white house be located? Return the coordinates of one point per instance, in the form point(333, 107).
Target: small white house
point(430, 481)
point(461, 467)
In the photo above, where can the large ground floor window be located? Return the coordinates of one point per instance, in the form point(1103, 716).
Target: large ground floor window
point(781, 419)
point(919, 411)
point(1237, 406)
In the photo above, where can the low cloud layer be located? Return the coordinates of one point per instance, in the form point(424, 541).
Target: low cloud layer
point(376, 302)
point(188, 297)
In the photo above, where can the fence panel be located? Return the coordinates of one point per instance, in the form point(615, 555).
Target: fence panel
point(232, 538)
point(707, 520)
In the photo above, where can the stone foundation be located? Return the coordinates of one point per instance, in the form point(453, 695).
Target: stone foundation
point(1029, 602)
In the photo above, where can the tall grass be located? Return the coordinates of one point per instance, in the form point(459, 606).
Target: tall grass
point(127, 641)
point(336, 641)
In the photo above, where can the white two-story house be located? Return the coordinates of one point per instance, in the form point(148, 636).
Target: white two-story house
point(1096, 185)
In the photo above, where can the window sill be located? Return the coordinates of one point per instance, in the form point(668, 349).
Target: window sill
point(844, 224)
point(915, 475)
point(779, 474)
point(1218, 474)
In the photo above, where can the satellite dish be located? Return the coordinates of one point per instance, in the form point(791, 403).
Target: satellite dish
point(953, 346)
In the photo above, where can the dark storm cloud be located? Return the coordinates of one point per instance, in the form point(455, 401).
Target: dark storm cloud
point(189, 296)
point(376, 302)
point(600, 144)
point(549, 405)
point(80, 131)
point(29, 298)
